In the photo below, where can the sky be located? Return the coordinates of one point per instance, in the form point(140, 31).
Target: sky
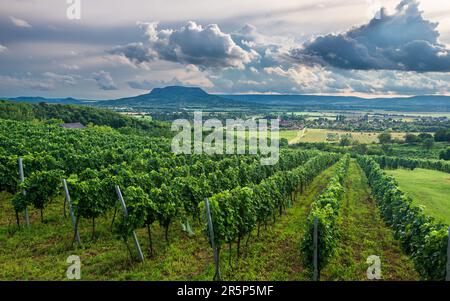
point(115, 48)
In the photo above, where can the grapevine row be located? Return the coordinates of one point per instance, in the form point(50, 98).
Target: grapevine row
point(421, 236)
point(387, 162)
point(326, 210)
point(148, 205)
point(237, 212)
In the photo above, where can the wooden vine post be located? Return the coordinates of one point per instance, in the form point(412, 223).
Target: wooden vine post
point(315, 251)
point(447, 274)
point(22, 179)
point(72, 215)
point(140, 256)
point(217, 275)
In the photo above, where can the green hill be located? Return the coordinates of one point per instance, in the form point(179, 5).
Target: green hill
point(75, 113)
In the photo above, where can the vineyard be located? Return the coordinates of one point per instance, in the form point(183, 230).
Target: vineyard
point(132, 209)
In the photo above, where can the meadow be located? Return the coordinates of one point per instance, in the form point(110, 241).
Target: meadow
point(320, 135)
point(429, 189)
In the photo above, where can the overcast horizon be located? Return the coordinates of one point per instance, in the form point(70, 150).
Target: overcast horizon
point(118, 49)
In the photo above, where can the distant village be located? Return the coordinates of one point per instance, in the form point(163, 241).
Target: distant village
point(362, 122)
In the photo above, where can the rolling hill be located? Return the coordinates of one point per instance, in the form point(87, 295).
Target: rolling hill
point(180, 98)
point(176, 97)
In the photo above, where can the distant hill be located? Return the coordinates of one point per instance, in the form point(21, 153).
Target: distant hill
point(31, 99)
point(425, 103)
point(176, 97)
point(179, 97)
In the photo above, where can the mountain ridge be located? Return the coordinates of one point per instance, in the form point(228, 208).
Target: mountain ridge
point(182, 97)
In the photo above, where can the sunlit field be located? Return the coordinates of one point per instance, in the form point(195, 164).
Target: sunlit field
point(429, 189)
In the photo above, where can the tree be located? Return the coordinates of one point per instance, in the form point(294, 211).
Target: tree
point(423, 136)
point(445, 154)
point(428, 143)
point(411, 138)
point(361, 149)
point(385, 138)
point(345, 141)
point(442, 135)
point(387, 149)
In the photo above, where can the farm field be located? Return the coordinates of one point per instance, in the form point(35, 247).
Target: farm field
point(320, 135)
point(290, 135)
point(429, 189)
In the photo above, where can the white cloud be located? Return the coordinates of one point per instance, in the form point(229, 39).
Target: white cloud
point(325, 80)
point(69, 80)
point(71, 67)
point(3, 49)
point(104, 80)
point(206, 47)
point(26, 83)
point(403, 41)
point(20, 22)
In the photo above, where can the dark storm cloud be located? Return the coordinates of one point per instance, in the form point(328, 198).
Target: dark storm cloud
point(136, 53)
point(205, 47)
point(401, 41)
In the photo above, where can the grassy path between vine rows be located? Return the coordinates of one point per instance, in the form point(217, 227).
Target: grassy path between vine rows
point(40, 252)
point(364, 234)
point(276, 254)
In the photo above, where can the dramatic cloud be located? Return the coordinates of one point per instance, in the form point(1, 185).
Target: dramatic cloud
point(205, 47)
point(400, 51)
point(328, 80)
point(136, 53)
point(104, 80)
point(401, 41)
point(20, 23)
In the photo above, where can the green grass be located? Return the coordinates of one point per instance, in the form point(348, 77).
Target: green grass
point(289, 134)
point(363, 233)
point(320, 135)
point(428, 188)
